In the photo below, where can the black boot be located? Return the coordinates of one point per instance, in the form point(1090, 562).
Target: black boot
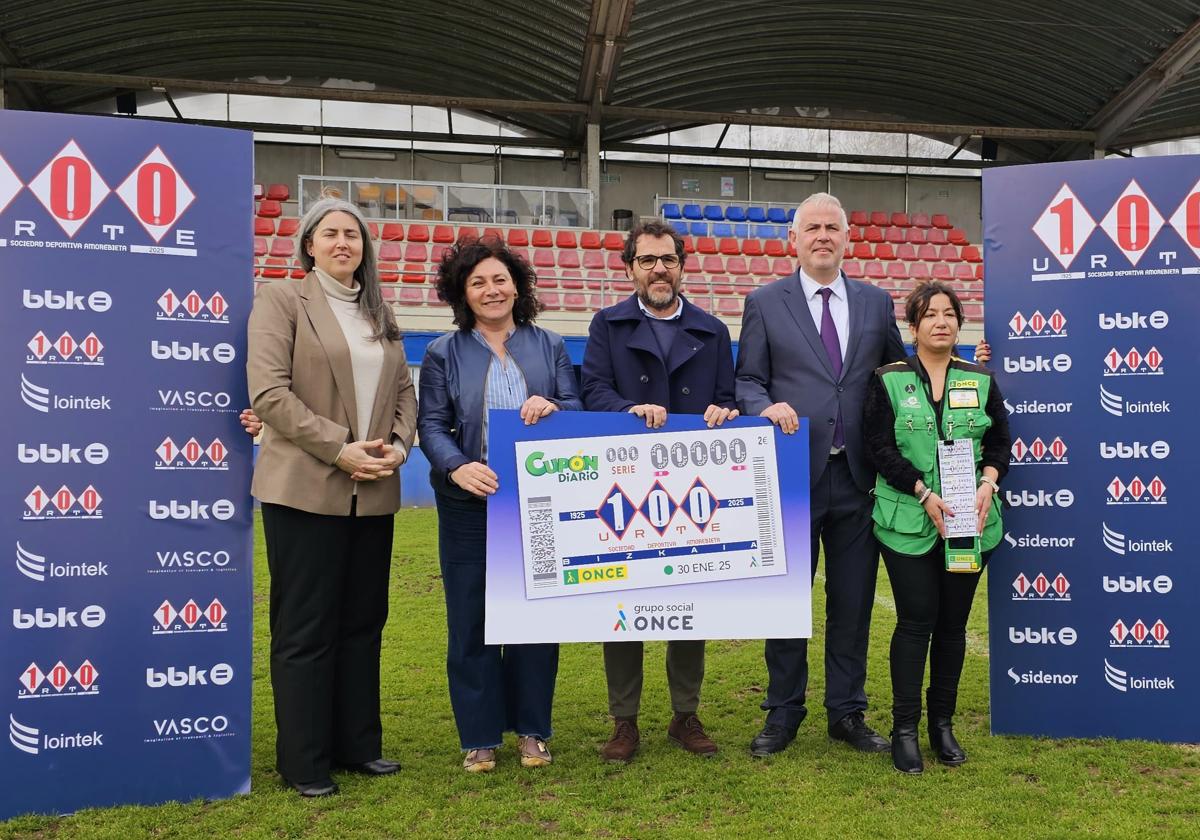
point(906, 751)
point(942, 740)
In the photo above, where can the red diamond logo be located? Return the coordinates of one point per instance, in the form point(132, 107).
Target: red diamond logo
point(70, 188)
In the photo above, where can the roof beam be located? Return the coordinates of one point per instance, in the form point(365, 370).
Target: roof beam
point(10, 61)
point(607, 32)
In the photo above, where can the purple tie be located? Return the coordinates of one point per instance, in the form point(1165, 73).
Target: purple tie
point(833, 349)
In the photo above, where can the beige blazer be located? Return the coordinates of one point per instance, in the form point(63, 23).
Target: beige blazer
point(302, 386)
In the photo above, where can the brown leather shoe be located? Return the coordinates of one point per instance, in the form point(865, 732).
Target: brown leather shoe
point(688, 732)
point(623, 743)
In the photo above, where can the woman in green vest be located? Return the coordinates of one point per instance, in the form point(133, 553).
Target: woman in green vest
point(912, 405)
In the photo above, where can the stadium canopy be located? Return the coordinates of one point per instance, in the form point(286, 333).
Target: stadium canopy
point(1015, 79)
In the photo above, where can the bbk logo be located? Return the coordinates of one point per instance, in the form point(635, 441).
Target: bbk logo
point(1160, 584)
point(1135, 450)
point(64, 350)
point(1118, 406)
point(40, 398)
point(68, 300)
point(1041, 678)
point(1038, 541)
point(191, 455)
point(1041, 588)
point(190, 675)
point(1036, 407)
point(62, 453)
point(36, 567)
point(192, 561)
point(193, 308)
point(58, 618)
point(1156, 320)
point(1118, 543)
point(1133, 362)
point(189, 618)
point(1038, 452)
point(1119, 679)
point(194, 352)
point(31, 740)
point(1063, 498)
point(1139, 635)
point(221, 509)
point(1065, 636)
point(63, 504)
point(190, 729)
point(201, 401)
point(1060, 363)
point(1137, 492)
point(59, 681)
point(1038, 325)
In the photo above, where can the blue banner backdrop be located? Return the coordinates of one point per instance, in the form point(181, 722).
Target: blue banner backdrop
point(125, 254)
point(1093, 270)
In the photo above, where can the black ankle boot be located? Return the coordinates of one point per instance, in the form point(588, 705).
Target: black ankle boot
point(906, 751)
point(943, 742)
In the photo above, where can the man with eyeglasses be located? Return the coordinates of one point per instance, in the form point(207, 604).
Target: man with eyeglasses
point(650, 355)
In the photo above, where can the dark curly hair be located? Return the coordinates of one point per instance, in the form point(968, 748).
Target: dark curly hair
point(460, 260)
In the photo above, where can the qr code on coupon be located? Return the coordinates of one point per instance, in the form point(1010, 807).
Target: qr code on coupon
point(542, 560)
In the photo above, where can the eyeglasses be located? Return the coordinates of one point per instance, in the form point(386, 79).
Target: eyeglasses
point(648, 261)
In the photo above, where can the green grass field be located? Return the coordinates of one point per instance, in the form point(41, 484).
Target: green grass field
point(1011, 787)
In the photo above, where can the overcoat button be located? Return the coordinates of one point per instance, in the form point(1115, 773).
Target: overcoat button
point(686, 391)
point(831, 421)
point(645, 378)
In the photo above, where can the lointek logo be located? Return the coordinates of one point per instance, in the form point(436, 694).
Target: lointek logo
point(1060, 363)
point(222, 509)
point(203, 401)
point(192, 308)
point(1038, 541)
point(1160, 584)
point(1139, 635)
point(57, 618)
point(189, 618)
point(1041, 678)
point(1035, 407)
point(1135, 450)
point(63, 504)
point(1063, 498)
point(1041, 588)
point(1133, 362)
point(29, 739)
point(1136, 492)
point(1065, 636)
point(1037, 325)
point(189, 728)
point(59, 681)
point(192, 455)
point(68, 300)
point(192, 561)
point(1117, 406)
point(190, 675)
point(1157, 320)
point(65, 350)
point(1121, 681)
point(1117, 543)
point(62, 453)
point(41, 399)
point(1038, 452)
point(35, 567)
point(222, 352)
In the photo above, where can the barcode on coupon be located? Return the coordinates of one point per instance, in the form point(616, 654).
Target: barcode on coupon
point(766, 512)
point(542, 559)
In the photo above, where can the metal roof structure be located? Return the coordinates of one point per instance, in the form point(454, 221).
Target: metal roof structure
point(1041, 80)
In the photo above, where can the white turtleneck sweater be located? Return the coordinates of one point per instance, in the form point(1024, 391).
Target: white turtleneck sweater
point(366, 356)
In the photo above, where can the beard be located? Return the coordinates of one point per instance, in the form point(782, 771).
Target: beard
point(655, 298)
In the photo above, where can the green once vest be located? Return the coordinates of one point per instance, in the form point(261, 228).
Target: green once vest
point(900, 521)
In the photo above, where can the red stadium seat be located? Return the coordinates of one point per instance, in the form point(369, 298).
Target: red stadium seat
point(263, 227)
point(957, 236)
point(689, 245)
point(493, 233)
point(547, 279)
point(874, 271)
point(542, 239)
point(722, 285)
point(593, 260)
point(464, 232)
point(948, 253)
point(575, 302)
point(776, 248)
point(297, 272)
point(416, 233)
point(390, 252)
point(277, 192)
point(393, 232)
point(853, 268)
point(782, 267)
point(570, 279)
point(962, 271)
point(414, 252)
point(921, 220)
point(518, 237)
point(862, 251)
point(854, 234)
point(941, 220)
point(590, 240)
point(706, 245)
point(568, 258)
point(897, 271)
point(900, 220)
point(970, 253)
point(410, 297)
point(691, 265)
point(879, 218)
point(283, 247)
point(413, 273)
point(616, 242)
point(894, 235)
point(873, 234)
point(269, 209)
point(883, 251)
point(543, 258)
point(712, 265)
point(565, 239)
point(523, 253)
point(941, 271)
point(703, 301)
point(860, 218)
point(260, 246)
point(752, 247)
point(915, 235)
point(373, 230)
point(918, 271)
point(736, 266)
point(615, 263)
point(389, 272)
point(759, 266)
point(973, 311)
point(550, 300)
point(979, 272)
point(935, 236)
point(730, 246)
point(730, 306)
point(288, 227)
point(906, 252)
point(927, 253)
point(745, 285)
point(443, 233)
point(275, 268)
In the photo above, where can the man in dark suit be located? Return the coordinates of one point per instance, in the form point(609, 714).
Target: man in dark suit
point(809, 345)
point(652, 354)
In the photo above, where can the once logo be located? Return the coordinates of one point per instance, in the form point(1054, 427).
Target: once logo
point(1035, 407)
point(1040, 498)
point(1137, 492)
point(189, 618)
point(1135, 450)
point(39, 398)
point(190, 728)
point(1139, 635)
point(58, 618)
point(1117, 543)
point(35, 567)
point(219, 674)
point(63, 504)
point(1038, 541)
point(1160, 584)
point(1041, 678)
point(180, 560)
point(1119, 679)
point(1118, 406)
point(1065, 636)
point(1157, 320)
point(1041, 588)
point(29, 739)
point(68, 300)
point(1061, 363)
point(1133, 362)
point(193, 308)
point(62, 453)
point(191, 455)
point(221, 509)
point(194, 352)
point(207, 401)
point(59, 681)
point(64, 350)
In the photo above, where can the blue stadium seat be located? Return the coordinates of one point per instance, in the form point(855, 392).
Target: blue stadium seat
point(698, 228)
point(756, 214)
point(777, 215)
point(741, 231)
point(692, 211)
point(791, 214)
point(681, 227)
point(764, 231)
point(714, 212)
point(720, 229)
point(733, 213)
point(670, 211)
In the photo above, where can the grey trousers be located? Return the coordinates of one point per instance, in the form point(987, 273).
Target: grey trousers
point(623, 667)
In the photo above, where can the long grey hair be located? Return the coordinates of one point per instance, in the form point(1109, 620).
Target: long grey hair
point(370, 298)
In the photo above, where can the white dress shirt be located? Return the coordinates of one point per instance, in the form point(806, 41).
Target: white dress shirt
point(838, 306)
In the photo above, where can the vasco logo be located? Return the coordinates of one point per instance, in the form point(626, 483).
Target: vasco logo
point(1035, 407)
point(189, 618)
point(191, 456)
point(1041, 588)
point(68, 300)
point(191, 561)
point(29, 739)
point(1117, 406)
point(1038, 452)
point(35, 567)
point(1060, 363)
point(1134, 321)
point(1137, 492)
point(63, 504)
point(1161, 584)
point(578, 467)
point(64, 350)
point(1041, 678)
point(1118, 543)
point(194, 352)
point(222, 509)
point(57, 618)
point(1065, 636)
point(1136, 450)
point(190, 728)
point(1133, 362)
point(1139, 635)
point(204, 401)
point(1040, 498)
point(62, 453)
point(192, 308)
point(40, 398)
point(1121, 681)
point(59, 681)
point(219, 674)
point(1038, 541)
point(1038, 325)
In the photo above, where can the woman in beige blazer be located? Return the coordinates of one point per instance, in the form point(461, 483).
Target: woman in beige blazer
point(328, 377)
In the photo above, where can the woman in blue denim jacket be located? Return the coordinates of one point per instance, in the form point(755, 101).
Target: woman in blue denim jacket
point(497, 359)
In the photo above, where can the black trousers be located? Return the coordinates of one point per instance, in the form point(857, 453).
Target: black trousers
point(329, 602)
point(932, 607)
point(841, 519)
